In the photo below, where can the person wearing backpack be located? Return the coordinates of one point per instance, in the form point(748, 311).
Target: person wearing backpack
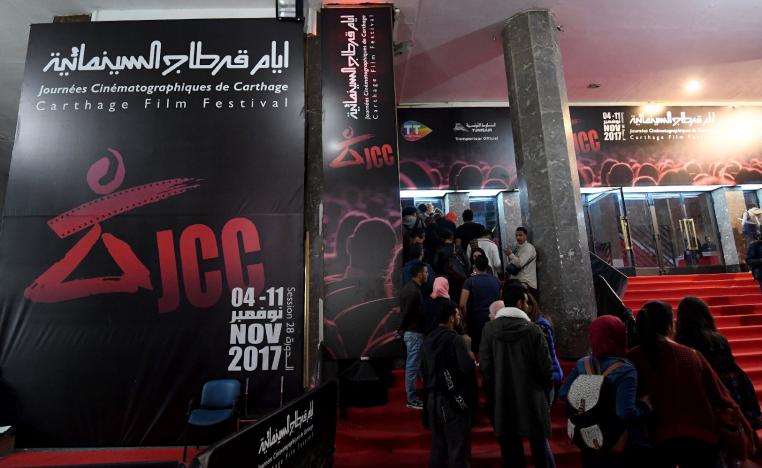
point(607, 431)
point(449, 392)
point(517, 371)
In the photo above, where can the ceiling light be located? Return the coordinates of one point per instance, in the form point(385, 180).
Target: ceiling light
point(289, 9)
point(693, 86)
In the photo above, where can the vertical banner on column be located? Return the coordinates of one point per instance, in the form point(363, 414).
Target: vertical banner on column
point(153, 229)
point(361, 196)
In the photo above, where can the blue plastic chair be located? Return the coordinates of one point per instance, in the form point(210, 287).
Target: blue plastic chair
point(218, 404)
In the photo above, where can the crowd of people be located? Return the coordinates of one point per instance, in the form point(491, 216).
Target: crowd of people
point(668, 395)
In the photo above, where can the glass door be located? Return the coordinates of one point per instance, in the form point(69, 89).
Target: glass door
point(645, 248)
point(668, 216)
point(700, 230)
point(608, 228)
point(672, 232)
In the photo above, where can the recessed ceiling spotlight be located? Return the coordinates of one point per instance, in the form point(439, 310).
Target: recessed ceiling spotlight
point(693, 86)
point(594, 85)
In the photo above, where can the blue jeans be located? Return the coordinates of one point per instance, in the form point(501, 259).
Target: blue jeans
point(413, 343)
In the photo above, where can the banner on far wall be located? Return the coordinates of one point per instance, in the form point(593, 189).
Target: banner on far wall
point(153, 229)
point(472, 148)
point(656, 145)
point(456, 148)
point(361, 216)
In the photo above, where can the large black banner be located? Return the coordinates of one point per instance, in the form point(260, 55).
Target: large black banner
point(361, 217)
point(656, 145)
point(456, 148)
point(302, 434)
point(153, 229)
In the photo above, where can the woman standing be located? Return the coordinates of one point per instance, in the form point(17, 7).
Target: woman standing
point(608, 339)
point(684, 390)
point(696, 329)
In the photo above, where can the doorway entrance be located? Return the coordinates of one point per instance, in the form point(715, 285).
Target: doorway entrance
point(654, 233)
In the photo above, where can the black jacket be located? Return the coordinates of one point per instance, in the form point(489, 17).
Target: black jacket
point(517, 371)
point(754, 259)
point(452, 348)
point(411, 307)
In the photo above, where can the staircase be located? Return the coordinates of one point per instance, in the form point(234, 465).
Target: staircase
point(734, 300)
point(393, 436)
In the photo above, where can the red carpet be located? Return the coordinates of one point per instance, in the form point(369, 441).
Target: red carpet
point(62, 457)
point(392, 435)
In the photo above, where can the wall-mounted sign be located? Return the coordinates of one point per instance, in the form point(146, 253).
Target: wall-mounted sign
point(656, 145)
point(361, 218)
point(152, 237)
point(452, 148)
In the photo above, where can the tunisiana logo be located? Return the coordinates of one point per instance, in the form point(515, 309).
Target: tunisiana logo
point(372, 156)
point(196, 242)
point(414, 131)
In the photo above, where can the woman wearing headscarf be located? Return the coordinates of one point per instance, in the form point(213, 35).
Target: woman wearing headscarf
point(608, 340)
point(685, 392)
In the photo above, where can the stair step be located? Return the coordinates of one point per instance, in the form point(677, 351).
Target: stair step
point(748, 359)
point(675, 298)
point(717, 310)
point(754, 373)
point(650, 293)
point(747, 345)
point(687, 278)
point(741, 332)
point(737, 320)
point(661, 282)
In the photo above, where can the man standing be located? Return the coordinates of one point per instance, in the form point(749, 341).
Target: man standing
point(479, 291)
point(411, 329)
point(450, 391)
point(522, 262)
point(468, 230)
point(517, 370)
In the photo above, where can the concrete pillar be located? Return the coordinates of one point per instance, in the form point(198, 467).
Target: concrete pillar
point(509, 214)
point(547, 170)
point(457, 202)
point(729, 206)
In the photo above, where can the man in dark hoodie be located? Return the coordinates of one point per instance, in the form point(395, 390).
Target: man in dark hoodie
point(517, 370)
point(450, 391)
